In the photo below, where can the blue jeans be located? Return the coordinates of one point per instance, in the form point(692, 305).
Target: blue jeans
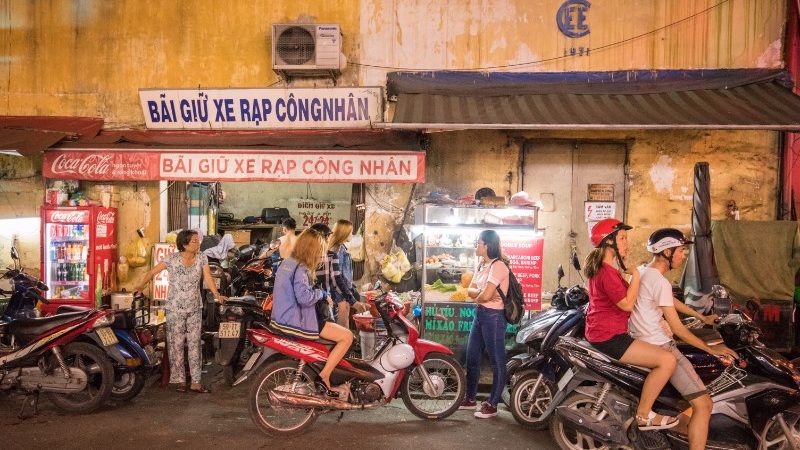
point(488, 333)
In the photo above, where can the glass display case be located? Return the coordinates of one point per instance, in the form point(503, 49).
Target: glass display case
point(446, 237)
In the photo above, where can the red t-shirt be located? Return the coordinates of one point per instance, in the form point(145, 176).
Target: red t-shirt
point(605, 319)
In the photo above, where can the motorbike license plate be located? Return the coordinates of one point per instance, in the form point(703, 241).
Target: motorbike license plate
point(107, 336)
point(229, 330)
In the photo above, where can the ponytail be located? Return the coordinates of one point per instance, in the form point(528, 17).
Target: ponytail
point(594, 261)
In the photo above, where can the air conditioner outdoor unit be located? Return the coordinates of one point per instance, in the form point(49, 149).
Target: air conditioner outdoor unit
point(307, 49)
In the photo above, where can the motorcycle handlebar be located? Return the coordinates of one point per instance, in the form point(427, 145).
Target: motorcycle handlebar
point(35, 294)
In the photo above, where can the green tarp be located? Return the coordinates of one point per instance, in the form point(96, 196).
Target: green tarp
point(757, 259)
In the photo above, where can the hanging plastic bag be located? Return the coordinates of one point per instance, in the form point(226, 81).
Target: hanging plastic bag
point(395, 264)
point(137, 250)
point(356, 245)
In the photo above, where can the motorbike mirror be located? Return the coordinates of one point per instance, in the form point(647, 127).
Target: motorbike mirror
point(560, 273)
point(574, 259)
point(14, 254)
point(719, 291)
point(753, 307)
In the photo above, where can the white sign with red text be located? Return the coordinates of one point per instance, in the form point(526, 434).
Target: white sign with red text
point(597, 211)
point(161, 280)
point(234, 165)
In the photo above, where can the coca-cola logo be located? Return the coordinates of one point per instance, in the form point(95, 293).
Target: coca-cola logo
point(106, 217)
point(68, 216)
point(92, 165)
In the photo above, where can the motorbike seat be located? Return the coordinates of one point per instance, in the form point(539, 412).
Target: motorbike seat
point(70, 308)
point(325, 342)
point(597, 353)
point(30, 328)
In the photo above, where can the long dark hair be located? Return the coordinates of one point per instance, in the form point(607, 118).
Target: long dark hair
point(492, 242)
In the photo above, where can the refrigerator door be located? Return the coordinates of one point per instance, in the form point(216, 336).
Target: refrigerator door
point(65, 238)
point(104, 244)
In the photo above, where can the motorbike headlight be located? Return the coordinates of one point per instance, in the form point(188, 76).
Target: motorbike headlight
point(104, 321)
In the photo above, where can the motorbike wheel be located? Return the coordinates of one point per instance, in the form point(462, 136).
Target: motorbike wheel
point(567, 438)
point(127, 385)
point(276, 420)
point(100, 372)
point(528, 406)
point(773, 437)
point(447, 393)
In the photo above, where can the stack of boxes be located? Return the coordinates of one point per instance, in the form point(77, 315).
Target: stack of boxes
point(107, 195)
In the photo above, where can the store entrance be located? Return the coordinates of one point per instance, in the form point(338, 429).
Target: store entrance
point(559, 173)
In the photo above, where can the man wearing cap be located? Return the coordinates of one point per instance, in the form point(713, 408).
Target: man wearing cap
point(655, 320)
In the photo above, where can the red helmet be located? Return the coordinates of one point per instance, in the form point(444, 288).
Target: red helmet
point(604, 228)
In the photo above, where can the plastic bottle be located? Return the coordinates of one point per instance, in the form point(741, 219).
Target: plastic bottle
point(98, 287)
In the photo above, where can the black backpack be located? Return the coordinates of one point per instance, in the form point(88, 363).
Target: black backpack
point(513, 300)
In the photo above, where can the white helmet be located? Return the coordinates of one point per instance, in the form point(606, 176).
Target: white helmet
point(666, 238)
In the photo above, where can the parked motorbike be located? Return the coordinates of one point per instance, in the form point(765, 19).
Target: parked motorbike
point(529, 338)
point(756, 398)
point(58, 355)
point(139, 350)
point(286, 397)
point(533, 385)
point(232, 343)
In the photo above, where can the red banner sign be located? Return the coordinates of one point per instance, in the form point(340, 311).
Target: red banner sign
point(525, 253)
point(234, 165)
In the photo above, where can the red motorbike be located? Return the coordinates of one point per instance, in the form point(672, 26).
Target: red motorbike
point(58, 355)
point(286, 397)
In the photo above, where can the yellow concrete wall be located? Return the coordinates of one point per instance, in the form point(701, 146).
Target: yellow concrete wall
point(744, 167)
point(522, 35)
point(89, 58)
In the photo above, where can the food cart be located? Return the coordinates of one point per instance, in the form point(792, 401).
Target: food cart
point(446, 236)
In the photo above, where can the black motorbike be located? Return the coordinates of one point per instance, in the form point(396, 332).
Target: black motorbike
point(232, 346)
point(529, 338)
point(756, 398)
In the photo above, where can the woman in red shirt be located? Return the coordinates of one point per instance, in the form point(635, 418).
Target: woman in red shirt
point(611, 300)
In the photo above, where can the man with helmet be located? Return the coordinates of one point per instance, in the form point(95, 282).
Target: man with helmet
point(655, 320)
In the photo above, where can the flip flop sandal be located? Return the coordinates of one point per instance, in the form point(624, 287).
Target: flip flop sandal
point(200, 390)
point(665, 422)
point(181, 389)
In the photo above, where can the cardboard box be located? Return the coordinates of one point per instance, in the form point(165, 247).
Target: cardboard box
point(240, 237)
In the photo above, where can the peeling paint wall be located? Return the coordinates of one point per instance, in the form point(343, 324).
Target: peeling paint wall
point(744, 167)
point(522, 35)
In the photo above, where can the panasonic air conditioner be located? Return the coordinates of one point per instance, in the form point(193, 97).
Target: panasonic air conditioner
point(307, 49)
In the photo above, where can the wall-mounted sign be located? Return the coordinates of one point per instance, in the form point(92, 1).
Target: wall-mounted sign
point(597, 211)
point(235, 165)
point(261, 109)
point(601, 193)
point(571, 18)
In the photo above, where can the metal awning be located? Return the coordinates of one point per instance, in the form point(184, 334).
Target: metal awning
point(716, 99)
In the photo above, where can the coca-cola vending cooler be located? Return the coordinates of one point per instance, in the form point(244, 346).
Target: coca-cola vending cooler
point(79, 247)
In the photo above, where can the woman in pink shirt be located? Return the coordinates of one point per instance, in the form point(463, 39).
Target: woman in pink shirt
point(611, 300)
point(488, 325)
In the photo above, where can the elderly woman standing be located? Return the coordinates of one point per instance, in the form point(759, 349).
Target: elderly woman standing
point(184, 306)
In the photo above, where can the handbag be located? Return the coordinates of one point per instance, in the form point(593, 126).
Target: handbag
point(321, 308)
